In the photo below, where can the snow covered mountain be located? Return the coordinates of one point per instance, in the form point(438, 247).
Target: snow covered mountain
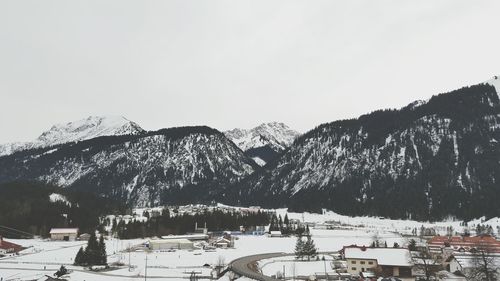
point(264, 142)
point(89, 128)
point(176, 165)
point(428, 160)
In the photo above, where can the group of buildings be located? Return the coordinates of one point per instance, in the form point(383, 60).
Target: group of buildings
point(447, 258)
point(200, 239)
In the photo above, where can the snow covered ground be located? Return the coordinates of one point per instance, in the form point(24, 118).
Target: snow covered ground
point(382, 224)
point(49, 255)
point(293, 267)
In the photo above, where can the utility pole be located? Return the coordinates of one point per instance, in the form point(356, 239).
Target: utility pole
point(146, 268)
point(129, 265)
point(284, 272)
point(324, 261)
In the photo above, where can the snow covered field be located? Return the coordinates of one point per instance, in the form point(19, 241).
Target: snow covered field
point(293, 267)
point(49, 255)
point(177, 264)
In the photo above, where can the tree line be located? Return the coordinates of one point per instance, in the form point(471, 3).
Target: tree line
point(26, 206)
point(162, 224)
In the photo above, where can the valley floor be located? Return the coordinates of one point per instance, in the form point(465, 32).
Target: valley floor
point(44, 257)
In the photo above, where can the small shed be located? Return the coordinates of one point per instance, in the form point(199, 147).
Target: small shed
point(275, 234)
point(64, 234)
point(223, 243)
point(169, 244)
point(84, 237)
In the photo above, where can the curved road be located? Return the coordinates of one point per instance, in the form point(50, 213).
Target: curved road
point(243, 266)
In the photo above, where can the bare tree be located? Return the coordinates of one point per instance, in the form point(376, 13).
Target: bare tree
point(220, 264)
point(484, 265)
point(426, 263)
point(376, 241)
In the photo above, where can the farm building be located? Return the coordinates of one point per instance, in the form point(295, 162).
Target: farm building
point(8, 247)
point(169, 244)
point(64, 234)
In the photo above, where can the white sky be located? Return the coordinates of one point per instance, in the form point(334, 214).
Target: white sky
point(234, 63)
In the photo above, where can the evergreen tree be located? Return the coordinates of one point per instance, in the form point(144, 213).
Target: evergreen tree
point(310, 250)
point(299, 248)
point(103, 258)
point(80, 257)
point(92, 250)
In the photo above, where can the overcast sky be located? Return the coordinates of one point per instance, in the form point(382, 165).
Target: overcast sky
point(234, 63)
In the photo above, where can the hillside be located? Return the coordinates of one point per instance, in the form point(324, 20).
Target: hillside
point(428, 160)
point(173, 165)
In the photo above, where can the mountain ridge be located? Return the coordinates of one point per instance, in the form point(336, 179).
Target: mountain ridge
point(79, 130)
point(357, 166)
point(165, 166)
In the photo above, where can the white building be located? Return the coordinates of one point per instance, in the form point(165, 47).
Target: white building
point(464, 262)
point(64, 234)
point(169, 244)
point(275, 234)
point(385, 262)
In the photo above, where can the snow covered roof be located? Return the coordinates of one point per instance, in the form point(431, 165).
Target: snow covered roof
point(64, 231)
point(170, 241)
point(467, 260)
point(384, 256)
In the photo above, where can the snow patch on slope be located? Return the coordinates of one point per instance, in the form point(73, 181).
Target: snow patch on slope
point(495, 82)
point(56, 197)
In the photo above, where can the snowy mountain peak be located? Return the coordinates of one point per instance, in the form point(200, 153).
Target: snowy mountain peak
point(84, 129)
point(88, 128)
point(263, 142)
point(275, 134)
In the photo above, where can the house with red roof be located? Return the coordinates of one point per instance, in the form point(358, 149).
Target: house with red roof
point(8, 247)
point(463, 243)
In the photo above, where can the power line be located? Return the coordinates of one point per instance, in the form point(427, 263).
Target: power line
point(13, 230)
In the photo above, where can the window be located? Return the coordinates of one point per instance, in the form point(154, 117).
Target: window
point(363, 269)
point(353, 262)
point(362, 262)
point(353, 268)
point(370, 262)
